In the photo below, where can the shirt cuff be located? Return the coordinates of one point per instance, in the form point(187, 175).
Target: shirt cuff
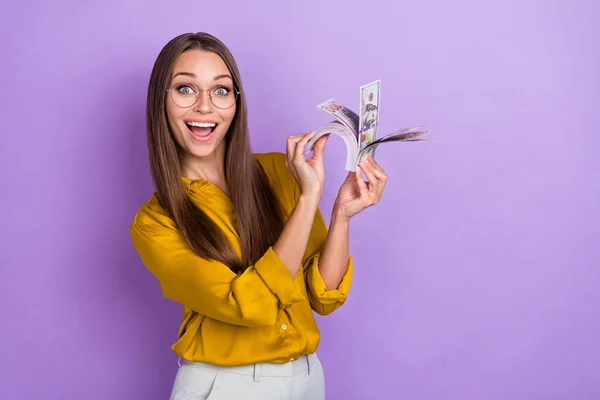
point(277, 278)
point(317, 284)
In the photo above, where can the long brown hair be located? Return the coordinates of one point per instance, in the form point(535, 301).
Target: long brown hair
point(259, 217)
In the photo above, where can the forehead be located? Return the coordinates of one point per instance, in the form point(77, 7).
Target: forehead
point(204, 64)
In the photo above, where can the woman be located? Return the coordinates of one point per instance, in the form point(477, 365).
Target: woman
point(237, 238)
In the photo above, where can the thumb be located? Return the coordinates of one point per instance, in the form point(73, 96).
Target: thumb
point(320, 146)
point(350, 177)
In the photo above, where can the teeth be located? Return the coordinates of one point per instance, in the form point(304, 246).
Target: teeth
point(202, 124)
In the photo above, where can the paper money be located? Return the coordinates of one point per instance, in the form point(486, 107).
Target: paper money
point(340, 113)
point(360, 132)
point(369, 113)
point(412, 134)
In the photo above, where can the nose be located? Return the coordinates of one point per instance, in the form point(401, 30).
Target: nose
point(203, 105)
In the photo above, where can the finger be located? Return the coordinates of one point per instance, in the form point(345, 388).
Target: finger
point(375, 165)
point(374, 184)
point(380, 191)
point(377, 185)
point(290, 146)
point(292, 142)
point(377, 170)
point(305, 138)
point(362, 186)
point(381, 180)
point(368, 170)
point(299, 150)
point(350, 177)
point(319, 147)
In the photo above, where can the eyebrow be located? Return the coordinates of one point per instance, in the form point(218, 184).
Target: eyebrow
point(194, 75)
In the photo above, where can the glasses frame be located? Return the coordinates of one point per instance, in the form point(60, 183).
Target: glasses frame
point(200, 91)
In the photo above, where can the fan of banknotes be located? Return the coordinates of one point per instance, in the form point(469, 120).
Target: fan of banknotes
point(360, 132)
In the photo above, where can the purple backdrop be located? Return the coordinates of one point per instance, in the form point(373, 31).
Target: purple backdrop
point(477, 275)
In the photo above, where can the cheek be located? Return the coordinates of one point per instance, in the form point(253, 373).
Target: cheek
point(173, 112)
point(227, 115)
point(174, 116)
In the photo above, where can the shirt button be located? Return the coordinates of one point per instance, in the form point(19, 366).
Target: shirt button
point(284, 327)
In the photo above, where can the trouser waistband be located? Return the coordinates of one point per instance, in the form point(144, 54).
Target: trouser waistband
point(302, 364)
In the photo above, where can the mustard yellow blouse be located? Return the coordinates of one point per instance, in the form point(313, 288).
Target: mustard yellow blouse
point(260, 315)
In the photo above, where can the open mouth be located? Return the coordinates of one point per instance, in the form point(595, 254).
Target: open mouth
point(202, 130)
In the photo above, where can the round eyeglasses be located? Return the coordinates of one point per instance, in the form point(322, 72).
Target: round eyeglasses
point(185, 95)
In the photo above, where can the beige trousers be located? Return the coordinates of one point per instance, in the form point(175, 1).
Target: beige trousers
point(302, 379)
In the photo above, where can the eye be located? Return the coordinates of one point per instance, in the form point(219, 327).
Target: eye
point(185, 89)
point(221, 91)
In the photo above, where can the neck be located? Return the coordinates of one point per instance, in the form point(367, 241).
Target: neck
point(211, 168)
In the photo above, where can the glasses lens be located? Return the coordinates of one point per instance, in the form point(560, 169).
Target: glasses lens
point(223, 96)
point(184, 95)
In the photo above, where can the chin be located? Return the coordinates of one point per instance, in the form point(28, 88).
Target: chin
point(202, 150)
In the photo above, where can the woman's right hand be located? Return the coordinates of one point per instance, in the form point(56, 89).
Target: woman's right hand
point(309, 173)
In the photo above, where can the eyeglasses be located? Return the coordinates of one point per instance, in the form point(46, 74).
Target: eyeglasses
point(185, 95)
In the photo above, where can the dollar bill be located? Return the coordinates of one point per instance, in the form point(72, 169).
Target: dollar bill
point(340, 113)
point(359, 131)
point(369, 113)
point(412, 134)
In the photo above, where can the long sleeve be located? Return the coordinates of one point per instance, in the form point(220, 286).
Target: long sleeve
point(323, 301)
point(260, 315)
point(252, 298)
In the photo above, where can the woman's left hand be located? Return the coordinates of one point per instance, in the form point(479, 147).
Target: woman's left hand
point(355, 194)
